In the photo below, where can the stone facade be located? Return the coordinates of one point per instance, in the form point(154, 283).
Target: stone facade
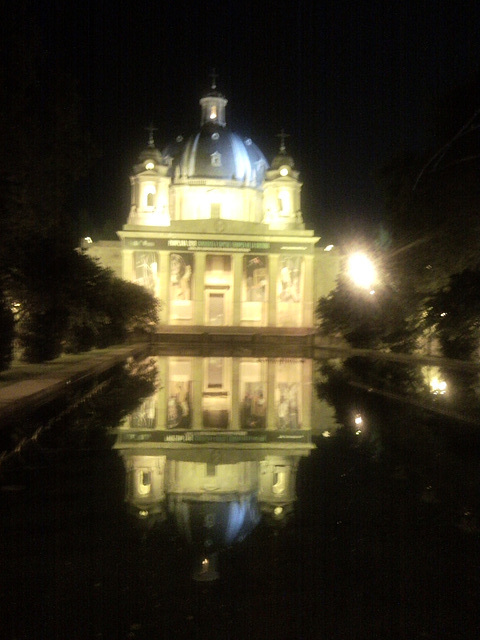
point(218, 235)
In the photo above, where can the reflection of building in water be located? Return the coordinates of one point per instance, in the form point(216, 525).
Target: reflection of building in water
point(215, 496)
point(217, 456)
point(250, 398)
point(225, 229)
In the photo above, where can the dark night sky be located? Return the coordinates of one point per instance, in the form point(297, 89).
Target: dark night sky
point(352, 84)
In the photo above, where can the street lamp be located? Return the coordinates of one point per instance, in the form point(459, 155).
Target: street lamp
point(362, 271)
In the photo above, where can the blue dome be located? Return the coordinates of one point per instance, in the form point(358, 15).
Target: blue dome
point(217, 153)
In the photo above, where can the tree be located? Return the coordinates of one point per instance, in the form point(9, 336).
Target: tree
point(454, 312)
point(367, 320)
point(6, 334)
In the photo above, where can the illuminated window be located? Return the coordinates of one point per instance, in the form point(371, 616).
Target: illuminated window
point(213, 112)
point(216, 159)
point(279, 480)
point(284, 203)
point(144, 482)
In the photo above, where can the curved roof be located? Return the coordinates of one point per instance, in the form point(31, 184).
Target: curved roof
point(216, 152)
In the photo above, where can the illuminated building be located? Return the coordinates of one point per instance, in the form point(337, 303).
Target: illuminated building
point(217, 234)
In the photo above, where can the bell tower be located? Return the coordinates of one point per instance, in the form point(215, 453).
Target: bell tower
point(282, 195)
point(213, 105)
point(149, 204)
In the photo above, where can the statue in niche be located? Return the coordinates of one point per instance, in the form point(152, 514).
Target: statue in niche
point(289, 282)
point(178, 406)
point(184, 284)
point(253, 408)
point(256, 279)
point(287, 407)
point(181, 270)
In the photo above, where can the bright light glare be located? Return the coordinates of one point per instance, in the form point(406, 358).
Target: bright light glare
point(88, 240)
point(361, 270)
point(284, 171)
point(278, 511)
point(329, 247)
point(149, 166)
point(438, 386)
point(358, 420)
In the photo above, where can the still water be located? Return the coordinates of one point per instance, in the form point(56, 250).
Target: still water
point(233, 497)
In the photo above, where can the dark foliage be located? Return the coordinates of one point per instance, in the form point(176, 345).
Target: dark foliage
point(454, 312)
point(6, 334)
point(368, 321)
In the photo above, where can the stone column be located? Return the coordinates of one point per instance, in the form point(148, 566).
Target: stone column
point(272, 290)
point(308, 303)
point(127, 265)
point(197, 393)
point(237, 288)
point(271, 417)
point(235, 421)
point(163, 292)
point(162, 393)
point(199, 289)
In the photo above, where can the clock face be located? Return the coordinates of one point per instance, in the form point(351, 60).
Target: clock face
point(149, 165)
point(284, 171)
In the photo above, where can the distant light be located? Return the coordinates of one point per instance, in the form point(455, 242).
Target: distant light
point(358, 432)
point(326, 433)
point(284, 171)
point(149, 166)
point(143, 513)
point(443, 314)
point(88, 240)
point(329, 247)
point(358, 420)
point(372, 292)
point(278, 511)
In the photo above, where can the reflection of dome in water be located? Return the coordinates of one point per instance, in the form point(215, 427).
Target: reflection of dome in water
point(210, 526)
point(213, 525)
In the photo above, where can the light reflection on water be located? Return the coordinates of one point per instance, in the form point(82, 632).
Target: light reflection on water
point(221, 469)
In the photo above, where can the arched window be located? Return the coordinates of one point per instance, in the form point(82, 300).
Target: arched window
point(150, 197)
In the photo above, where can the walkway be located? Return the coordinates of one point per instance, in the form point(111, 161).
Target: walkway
point(33, 384)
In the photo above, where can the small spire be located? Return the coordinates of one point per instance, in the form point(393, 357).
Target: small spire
point(213, 75)
point(282, 135)
point(151, 129)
